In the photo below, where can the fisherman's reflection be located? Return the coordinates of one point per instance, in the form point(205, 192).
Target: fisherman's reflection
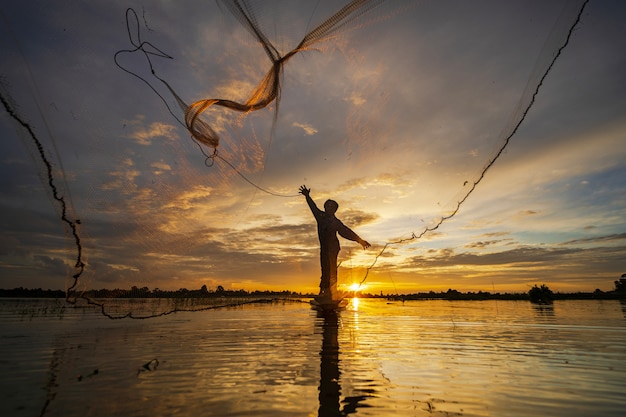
point(330, 388)
point(329, 369)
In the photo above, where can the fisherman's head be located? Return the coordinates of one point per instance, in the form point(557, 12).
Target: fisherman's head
point(330, 206)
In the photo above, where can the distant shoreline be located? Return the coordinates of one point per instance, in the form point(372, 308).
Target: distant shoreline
point(204, 293)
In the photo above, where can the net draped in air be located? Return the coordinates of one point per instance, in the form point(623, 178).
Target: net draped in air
point(149, 192)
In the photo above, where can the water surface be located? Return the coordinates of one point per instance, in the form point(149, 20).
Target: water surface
point(377, 358)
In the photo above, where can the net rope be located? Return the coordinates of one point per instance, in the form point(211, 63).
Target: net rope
point(526, 102)
point(268, 91)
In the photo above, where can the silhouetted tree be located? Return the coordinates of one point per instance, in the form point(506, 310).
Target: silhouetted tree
point(541, 295)
point(620, 285)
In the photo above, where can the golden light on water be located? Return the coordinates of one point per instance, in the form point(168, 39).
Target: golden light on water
point(354, 304)
point(354, 301)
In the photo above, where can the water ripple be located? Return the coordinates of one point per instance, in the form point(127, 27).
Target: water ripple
point(420, 358)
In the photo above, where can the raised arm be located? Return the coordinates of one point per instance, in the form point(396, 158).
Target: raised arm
point(314, 209)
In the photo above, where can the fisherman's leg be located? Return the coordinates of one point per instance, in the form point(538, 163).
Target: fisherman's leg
point(326, 271)
point(332, 262)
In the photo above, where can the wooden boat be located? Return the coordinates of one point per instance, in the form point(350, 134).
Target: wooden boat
point(325, 303)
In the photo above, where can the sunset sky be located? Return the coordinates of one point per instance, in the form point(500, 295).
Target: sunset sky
point(394, 118)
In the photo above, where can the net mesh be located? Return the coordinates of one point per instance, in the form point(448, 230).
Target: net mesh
point(160, 189)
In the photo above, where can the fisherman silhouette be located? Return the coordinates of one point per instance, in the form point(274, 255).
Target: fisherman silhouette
point(327, 228)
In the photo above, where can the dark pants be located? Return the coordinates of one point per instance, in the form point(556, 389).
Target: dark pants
point(328, 262)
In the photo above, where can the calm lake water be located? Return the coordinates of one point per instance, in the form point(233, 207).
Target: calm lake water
point(377, 358)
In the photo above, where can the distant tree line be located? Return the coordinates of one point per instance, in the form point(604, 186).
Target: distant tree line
point(537, 294)
point(145, 292)
point(32, 293)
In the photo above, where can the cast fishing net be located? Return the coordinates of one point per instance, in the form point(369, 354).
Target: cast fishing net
point(171, 141)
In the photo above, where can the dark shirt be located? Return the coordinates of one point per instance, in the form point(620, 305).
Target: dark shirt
point(328, 226)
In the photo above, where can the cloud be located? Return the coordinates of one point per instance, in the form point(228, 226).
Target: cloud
point(190, 198)
point(308, 129)
point(123, 178)
point(496, 234)
point(530, 255)
point(119, 275)
point(10, 245)
point(54, 266)
point(160, 167)
point(398, 129)
point(145, 135)
point(400, 182)
point(484, 244)
point(357, 99)
point(596, 239)
point(354, 218)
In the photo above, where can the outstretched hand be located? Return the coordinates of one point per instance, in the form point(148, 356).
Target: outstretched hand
point(304, 191)
point(364, 243)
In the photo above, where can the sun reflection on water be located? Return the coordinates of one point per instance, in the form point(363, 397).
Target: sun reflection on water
point(376, 357)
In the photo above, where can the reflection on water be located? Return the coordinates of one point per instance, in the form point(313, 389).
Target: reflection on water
point(330, 387)
point(418, 358)
point(329, 365)
point(543, 312)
